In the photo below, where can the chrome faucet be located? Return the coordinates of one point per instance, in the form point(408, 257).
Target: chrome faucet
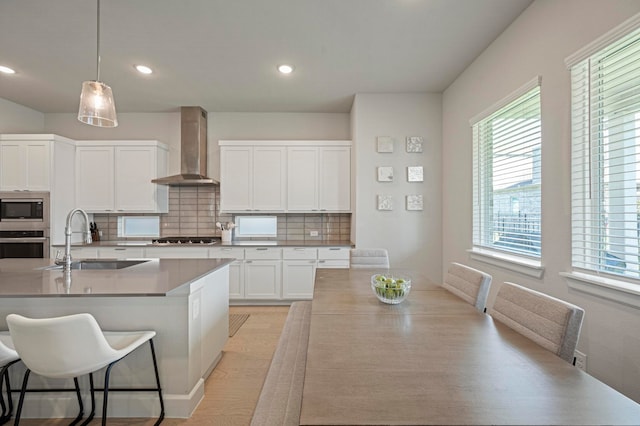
point(67, 236)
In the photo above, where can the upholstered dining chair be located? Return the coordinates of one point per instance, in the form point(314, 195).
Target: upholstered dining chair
point(471, 285)
point(8, 357)
point(552, 323)
point(72, 346)
point(369, 258)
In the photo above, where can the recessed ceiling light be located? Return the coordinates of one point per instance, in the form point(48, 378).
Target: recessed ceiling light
point(144, 69)
point(285, 69)
point(6, 70)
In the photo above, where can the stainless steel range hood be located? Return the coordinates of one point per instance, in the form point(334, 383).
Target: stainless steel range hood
point(193, 150)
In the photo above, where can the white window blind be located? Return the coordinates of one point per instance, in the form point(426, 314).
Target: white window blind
point(605, 174)
point(507, 176)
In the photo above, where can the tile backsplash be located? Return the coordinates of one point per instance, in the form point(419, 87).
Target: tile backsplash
point(194, 211)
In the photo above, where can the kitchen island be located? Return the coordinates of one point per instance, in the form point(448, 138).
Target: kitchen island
point(186, 301)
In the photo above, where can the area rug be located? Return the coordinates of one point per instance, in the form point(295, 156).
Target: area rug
point(235, 322)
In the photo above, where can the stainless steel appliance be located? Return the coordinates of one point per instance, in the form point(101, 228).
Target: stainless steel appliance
point(193, 150)
point(24, 224)
point(186, 240)
point(23, 208)
point(14, 244)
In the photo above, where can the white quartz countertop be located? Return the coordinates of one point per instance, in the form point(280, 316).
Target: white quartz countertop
point(157, 277)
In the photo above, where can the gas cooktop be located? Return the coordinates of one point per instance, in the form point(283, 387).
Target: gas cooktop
point(186, 240)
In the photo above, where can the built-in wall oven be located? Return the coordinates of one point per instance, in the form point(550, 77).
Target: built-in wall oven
point(24, 224)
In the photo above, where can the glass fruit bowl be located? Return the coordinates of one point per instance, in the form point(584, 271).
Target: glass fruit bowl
point(389, 288)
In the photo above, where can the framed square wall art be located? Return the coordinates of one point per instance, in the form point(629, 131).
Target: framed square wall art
point(414, 144)
point(414, 202)
point(414, 174)
point(385, 144)
point(385, 202)
point(385, 174)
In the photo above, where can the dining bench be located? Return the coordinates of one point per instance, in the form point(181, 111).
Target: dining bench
point(280, 400)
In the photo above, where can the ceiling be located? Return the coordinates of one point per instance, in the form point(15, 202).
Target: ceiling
point(222, 54)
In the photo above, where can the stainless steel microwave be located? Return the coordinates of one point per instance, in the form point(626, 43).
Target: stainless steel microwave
point(24, 207)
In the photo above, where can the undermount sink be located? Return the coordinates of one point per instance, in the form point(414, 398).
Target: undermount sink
point(88, 264)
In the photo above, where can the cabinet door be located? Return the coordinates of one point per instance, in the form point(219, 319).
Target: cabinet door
point(24, 165)
point(94, 179)
point(236, 269)
point(236, 280)
point(262, 279)
point(298, 277)
point(135, 166)
point(335, 179)
point(302, 178)
point(236, 184)
point(269, 178)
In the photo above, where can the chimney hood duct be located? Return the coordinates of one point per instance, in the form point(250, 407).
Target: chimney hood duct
point(193, 150)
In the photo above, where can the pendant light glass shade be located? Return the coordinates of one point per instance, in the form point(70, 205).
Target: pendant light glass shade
point(97, 106)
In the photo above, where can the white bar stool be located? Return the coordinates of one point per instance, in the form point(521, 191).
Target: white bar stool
point(72, 346)
point(8, 357)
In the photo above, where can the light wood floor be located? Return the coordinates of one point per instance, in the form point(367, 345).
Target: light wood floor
point(231, 391)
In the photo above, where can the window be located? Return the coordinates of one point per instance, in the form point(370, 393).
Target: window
point(605, 154)
point(138, 226)
point(507, 174)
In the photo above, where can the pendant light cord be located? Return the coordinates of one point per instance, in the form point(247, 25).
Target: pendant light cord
point(98, 43)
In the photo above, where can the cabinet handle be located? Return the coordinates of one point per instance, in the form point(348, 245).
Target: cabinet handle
point(249, 261)
point(299, 249)
point(226, 249)
point(321, 261)
point(334, 248)
point(312, 261)
point(120, 249)
point(262, 248)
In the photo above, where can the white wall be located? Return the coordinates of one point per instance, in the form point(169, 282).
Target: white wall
point(413, 238)
point(15, 118)
point(537, 44)
point(165, 127)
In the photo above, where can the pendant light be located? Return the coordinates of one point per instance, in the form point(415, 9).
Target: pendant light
point(97, 107)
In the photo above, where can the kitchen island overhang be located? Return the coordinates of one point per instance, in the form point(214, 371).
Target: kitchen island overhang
point(186, 301)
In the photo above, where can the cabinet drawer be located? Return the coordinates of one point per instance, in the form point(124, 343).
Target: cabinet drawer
point(333, 263)
point(263, 253)
point(302, 253)
point(334, 253)
point(120, 252)
point(227, 253)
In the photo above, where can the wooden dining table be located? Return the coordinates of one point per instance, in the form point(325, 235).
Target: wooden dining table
point(434, 359)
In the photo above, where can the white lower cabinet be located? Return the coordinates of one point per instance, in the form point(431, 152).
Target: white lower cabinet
point(263, 273)
point(334, 257)
point(298, 272)
point(173, 252)
point(262, 279)
point(121, 252)
point(236, 269)
point(79, 252)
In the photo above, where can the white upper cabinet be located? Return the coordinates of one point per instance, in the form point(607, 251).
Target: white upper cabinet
point(290, 176)
point(115, 176)
point(25, 165)
point(302, 184)
point(252, 178)
point(94, 180)
point(319, 179)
